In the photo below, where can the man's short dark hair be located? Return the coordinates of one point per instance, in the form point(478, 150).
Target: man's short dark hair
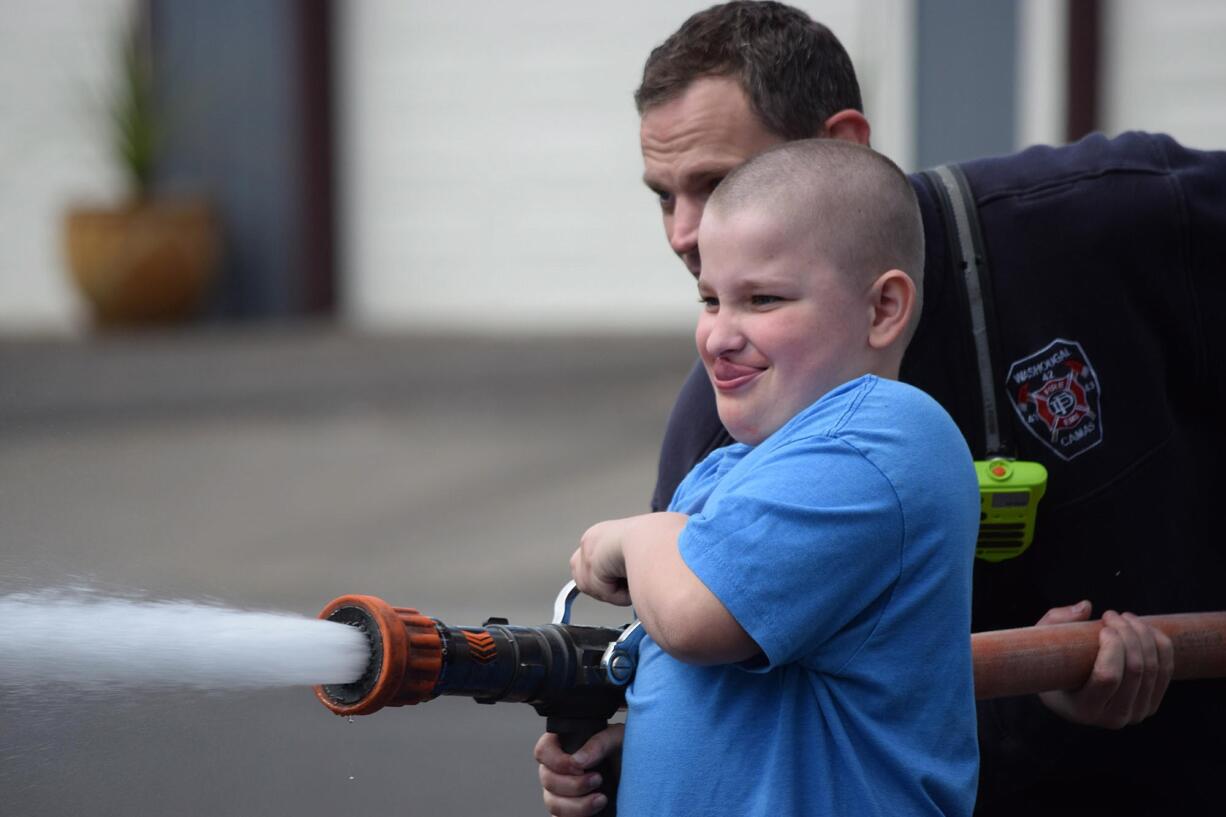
point(793, 69)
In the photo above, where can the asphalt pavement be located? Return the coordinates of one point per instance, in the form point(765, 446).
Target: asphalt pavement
point(277, 468)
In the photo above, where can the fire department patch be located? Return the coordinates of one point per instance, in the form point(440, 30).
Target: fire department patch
point(1055, 393)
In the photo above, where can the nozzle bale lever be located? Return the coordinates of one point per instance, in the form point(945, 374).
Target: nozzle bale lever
point(556, 667)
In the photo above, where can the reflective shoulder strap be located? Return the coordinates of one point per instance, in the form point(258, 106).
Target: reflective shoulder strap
point(971, 259)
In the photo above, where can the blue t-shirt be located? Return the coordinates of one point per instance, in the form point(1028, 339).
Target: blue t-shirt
point(843, 545)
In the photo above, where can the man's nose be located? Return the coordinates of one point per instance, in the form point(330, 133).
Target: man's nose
point(687, 213)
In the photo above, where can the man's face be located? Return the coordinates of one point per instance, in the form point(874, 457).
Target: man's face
point(780, 326)
point(690, 144)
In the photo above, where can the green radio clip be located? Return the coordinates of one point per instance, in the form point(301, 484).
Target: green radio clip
point(1009, 494)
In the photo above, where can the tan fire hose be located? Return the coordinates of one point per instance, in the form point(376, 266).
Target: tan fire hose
point(1061, 656)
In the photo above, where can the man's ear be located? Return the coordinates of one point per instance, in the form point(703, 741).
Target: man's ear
point(849, 125)
point(892, 300)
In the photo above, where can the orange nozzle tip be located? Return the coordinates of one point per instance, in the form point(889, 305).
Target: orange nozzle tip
point(400, 671)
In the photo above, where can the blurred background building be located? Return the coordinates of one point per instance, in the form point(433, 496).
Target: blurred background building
point(474, 165)
point(443, 339)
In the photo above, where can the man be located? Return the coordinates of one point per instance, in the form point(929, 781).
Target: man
point(1104, 259)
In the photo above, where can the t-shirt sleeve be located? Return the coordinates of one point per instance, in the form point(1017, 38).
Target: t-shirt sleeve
point(803, 549)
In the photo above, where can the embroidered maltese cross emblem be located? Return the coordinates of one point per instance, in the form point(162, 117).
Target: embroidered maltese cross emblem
point(1055, 392)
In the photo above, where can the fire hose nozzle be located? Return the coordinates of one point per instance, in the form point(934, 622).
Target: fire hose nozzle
point(555, 667)
point(406, 656)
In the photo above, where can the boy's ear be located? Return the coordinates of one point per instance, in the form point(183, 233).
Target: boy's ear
point(891, 303)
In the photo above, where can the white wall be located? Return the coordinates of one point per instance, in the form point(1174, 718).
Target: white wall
point(488, 153)
point(1164, 69)
point(1042, 72)
point(489, 161)
point(56, 61)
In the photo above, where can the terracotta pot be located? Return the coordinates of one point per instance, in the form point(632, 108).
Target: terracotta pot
point(146, 263)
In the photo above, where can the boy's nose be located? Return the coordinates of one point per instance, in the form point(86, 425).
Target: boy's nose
point(724, 334)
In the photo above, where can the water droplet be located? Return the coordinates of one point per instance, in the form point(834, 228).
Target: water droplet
point(350, 777)
point(351, 721)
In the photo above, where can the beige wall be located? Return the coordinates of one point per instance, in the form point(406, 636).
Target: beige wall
point(490, 167)
point(1164, 69)
point(55, 64)
point(487, 152)
point(488, 157)
point(1042, 54)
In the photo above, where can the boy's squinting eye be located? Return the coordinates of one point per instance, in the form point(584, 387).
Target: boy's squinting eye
point(666, 200)
point(709, 301)
point(764, 300)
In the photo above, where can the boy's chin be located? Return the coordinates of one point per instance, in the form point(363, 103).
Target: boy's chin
point(742, 429)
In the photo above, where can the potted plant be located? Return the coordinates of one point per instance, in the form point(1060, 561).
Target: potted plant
point(150, 259)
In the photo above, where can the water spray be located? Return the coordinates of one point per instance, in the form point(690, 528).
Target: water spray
point(99, 643)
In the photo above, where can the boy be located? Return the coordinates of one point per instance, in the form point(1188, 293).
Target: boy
point(807, 595)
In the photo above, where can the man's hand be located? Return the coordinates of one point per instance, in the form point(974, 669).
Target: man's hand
point(570, 789)
point(1130, 676)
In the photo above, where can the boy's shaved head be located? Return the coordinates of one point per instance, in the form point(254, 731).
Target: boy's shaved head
point(856, 205)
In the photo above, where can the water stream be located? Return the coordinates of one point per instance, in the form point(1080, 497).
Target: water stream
point(97, 642)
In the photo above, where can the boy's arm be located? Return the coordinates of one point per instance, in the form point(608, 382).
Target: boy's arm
point(636, 561)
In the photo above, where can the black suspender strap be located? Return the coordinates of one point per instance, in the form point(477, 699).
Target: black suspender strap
point(975, 282)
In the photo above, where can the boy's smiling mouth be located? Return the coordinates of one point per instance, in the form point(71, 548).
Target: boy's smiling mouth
point(728, 375)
